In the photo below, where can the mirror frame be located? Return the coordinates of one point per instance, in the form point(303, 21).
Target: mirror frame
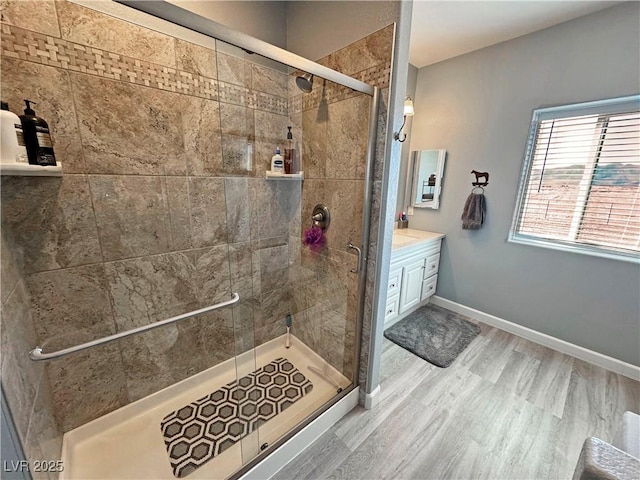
point(412, 179)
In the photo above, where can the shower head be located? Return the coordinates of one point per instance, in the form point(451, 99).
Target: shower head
point(305, 82)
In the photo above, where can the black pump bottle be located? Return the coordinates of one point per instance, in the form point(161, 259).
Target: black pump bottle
point(37, 138)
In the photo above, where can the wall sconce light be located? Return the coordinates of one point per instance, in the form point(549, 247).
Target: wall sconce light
point(407, 112)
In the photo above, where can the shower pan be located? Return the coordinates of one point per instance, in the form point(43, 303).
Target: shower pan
point(201, 333)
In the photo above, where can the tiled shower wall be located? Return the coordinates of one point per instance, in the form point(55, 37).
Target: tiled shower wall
point(24, 382)
point(162, 209)
point(335, 123)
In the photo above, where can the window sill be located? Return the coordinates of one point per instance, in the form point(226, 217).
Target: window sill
point(592, 251)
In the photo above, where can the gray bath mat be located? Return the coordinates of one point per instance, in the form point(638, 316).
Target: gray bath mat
point(433, 333)
point(197, 432)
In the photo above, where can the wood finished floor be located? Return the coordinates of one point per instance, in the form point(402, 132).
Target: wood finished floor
point(507, 408)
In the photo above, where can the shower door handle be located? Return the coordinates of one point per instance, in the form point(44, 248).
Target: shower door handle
point(353, 247)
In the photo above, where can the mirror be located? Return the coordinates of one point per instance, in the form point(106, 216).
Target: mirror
point(424, 178)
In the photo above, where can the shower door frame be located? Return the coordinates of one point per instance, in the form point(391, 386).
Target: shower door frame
point(192, 21)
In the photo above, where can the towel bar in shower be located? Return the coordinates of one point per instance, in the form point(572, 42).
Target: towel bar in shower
point(37, 355)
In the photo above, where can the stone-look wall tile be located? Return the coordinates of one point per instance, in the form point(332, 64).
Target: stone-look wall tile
point(208, 211)
point(49, 87)
point(44, 435)
point(314, 146)
point(20, 376)
point(374, 49)
point(179, 213)
point(270, 132)
point(237, 126)
point(271, 315)
point(132, 215)
point(37, 15)
point(232, 69)
point(202, 140)
point(244, 328)
point(274, 267)
point(129, 129)
point(149, 289)
point(378, 170)
point(237, 198)
point(264, 79)
point(159, 358)
point(10, 262)
point(347, 134)
point(216, 333)
point(87, 385)
point(274, 206)
point(241, 269)
point(196, 59)
point(70, 306)
point(52, 221)
point(212, 275)
point(94, 29)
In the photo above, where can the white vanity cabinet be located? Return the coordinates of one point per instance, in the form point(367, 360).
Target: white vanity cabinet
point(413, 273)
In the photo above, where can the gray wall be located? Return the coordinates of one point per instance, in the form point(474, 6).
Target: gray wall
point(478, 106)
point(264, 20)
point(336, 23)
point(412, 79)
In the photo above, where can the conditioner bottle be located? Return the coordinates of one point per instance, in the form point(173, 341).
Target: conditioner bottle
point(37, 137)
point(12, 148)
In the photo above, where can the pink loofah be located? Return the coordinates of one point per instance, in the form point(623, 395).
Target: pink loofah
point(313, 238)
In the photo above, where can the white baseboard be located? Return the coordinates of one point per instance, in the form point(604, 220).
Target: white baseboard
point(372, 399)
point(301, 440)
point(604, 361)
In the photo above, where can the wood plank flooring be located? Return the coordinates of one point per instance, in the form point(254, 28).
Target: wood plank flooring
point(505, 409)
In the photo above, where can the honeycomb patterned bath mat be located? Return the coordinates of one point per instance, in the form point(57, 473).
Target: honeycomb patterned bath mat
point(197, 432)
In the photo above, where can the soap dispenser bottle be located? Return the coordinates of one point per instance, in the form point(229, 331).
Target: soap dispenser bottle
point(289, 154)
point(37, 137)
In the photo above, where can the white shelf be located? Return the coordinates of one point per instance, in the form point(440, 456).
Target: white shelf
point(25, 169)
point(284, 176)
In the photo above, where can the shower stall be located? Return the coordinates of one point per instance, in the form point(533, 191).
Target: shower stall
point(192, 310)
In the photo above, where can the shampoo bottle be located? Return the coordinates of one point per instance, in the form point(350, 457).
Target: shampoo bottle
point(277, 162)
point(37, 137)
point(12, 148)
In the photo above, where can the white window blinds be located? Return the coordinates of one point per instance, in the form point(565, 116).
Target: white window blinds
point(580, 185)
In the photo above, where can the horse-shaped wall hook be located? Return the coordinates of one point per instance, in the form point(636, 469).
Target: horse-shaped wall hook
point(479, 175)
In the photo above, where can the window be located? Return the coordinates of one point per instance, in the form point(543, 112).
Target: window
point(580, 183)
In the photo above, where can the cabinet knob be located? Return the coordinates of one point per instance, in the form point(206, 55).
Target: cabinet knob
point(393, 285)
point(390, 310)
point(433, 266)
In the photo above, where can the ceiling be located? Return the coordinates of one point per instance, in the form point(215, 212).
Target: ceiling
point(446, 29)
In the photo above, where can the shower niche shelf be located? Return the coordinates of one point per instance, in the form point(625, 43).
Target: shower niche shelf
point(284, 176)
point(28, 170)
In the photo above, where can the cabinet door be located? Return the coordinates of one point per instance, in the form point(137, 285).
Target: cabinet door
point(411, 285)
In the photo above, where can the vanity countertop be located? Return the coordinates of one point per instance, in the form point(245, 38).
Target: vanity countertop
point(407, 237)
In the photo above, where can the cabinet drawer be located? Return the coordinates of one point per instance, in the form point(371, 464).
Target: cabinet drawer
point(395, 277)
point(431, 267)
point(429, 287)
point(392, 307)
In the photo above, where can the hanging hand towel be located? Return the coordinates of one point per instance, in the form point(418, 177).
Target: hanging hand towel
point(474, 212)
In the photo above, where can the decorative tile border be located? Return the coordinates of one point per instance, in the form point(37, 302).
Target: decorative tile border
point(46, 50)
